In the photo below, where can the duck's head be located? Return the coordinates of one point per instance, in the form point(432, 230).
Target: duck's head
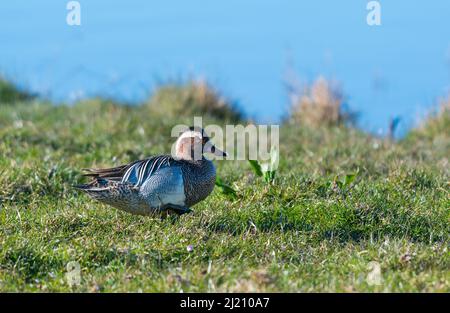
point(193, 143)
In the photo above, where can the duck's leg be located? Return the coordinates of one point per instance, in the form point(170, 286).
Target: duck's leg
point(178, 209)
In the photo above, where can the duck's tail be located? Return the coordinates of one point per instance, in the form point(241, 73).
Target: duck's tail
point(95, 190)
point(106, 190)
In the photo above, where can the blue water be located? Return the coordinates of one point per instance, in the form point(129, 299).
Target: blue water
point(123, 49)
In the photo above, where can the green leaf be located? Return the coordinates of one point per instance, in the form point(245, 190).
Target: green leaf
point(274, 158)
point(226, 189)
point(349, 178)
point(269, 176)
point(256, 167)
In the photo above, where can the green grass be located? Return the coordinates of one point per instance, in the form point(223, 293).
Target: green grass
point(303, 232)
point(11, 93)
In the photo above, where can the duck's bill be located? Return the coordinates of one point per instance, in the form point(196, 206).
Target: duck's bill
point(218, 152)
point(209, 147)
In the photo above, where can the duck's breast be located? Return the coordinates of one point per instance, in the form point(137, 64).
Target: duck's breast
point(199, 181)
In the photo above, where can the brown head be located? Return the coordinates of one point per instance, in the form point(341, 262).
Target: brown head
point(193, 143)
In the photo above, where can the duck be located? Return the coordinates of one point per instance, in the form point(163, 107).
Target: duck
point(159, 184)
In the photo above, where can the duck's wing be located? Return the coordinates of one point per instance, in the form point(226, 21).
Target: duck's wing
point(134, 173)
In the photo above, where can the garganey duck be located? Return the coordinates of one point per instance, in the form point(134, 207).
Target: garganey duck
point(161, 183)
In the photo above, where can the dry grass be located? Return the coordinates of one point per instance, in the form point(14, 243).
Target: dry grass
point(437, 116)
point(435, 126)
point(320, 104)
point(196, 97)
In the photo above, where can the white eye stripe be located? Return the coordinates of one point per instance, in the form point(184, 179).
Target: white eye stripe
point(191, 134)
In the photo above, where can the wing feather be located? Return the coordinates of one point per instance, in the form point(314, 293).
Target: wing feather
point(135, 173)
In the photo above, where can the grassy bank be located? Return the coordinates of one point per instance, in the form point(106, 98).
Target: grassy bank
point(311, 230)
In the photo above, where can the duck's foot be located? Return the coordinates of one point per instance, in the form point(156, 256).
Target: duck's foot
point(177, 209)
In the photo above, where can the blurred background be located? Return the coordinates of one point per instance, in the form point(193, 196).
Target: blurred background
point(253, 51)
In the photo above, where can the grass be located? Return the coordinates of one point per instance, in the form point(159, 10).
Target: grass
point(11, 93)
point(340, 200)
